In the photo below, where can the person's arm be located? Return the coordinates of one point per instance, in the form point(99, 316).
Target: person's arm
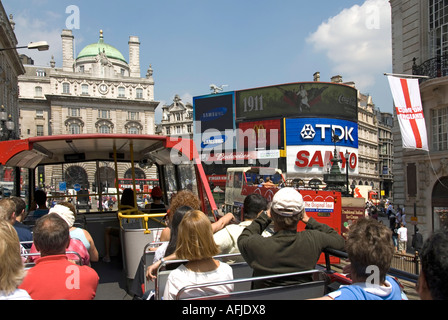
point(93, 252)
point(151, 270)
point(250, 234)
point(222, 222)
point(329, 236)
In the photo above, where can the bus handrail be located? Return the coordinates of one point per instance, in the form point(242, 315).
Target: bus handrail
point(128, 214)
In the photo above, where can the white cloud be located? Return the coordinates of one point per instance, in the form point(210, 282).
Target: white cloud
point(357, 42)
point(29, 29)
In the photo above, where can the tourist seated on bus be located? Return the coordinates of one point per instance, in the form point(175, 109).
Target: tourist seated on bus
point(23, 231)
point(165, 249)
point(8, 209)
point(370, 251)
point(433, 278)
point(287, 250)
point(227, 238)
point(67, 211)
point(268, 183)
point(157, 206)
point(38, 207)
point(195, 244)
point(68, 280)
point(11, 265)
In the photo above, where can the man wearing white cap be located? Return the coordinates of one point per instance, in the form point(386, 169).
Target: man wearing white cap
point(286, 250)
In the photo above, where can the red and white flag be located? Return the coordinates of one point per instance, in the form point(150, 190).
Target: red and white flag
point(408, 104)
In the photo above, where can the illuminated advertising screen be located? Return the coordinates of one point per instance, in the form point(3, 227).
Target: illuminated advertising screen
point(302, 99)
point(265, 134)
point(318, 131)
point(214, 121)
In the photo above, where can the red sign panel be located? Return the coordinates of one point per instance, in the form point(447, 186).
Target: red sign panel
point(260, 134)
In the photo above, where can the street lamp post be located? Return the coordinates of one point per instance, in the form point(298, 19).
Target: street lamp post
point(39, 45)
point(347, 156)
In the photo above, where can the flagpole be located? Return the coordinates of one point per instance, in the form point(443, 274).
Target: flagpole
point(406, 75)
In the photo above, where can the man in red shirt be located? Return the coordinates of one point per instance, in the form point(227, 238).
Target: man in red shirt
point(54, 277)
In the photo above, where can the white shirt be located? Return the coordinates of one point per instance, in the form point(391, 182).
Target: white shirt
point(227, 238)
point(403, 234)
point(19, 294)
point(182, 277)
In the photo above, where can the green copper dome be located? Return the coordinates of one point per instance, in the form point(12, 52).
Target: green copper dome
point(92, 50)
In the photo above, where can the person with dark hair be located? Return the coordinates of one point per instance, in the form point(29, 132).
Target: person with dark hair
point(157, 206)
point(287, 250)
point(227, 238)
point(54, 277)
point(23, 231)
point(370, 251)
point(433, 278)
point(127, 198)
point(38, 208)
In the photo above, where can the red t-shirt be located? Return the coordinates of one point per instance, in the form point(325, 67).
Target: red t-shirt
point(56, 278)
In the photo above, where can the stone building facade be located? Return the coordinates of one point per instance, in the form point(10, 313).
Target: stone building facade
point(419, 33)
point(98, 91)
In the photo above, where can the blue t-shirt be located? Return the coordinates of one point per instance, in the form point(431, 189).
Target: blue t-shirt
point(363, 291)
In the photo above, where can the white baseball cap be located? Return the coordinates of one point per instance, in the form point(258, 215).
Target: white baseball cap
point(287, 202)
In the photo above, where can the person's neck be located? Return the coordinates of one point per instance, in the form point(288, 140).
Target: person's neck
point(203, 265)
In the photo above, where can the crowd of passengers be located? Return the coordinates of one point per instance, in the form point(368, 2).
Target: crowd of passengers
point(267, 240)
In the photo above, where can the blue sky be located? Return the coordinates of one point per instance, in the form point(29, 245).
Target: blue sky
point(242, 44)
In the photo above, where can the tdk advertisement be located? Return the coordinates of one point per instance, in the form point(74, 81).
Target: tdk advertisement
point(319, 131)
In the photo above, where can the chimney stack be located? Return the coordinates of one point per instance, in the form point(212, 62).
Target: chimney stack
point(134, 56)
point(68, 59)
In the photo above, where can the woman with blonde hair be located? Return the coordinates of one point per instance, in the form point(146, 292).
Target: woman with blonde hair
point(195, 243)
point(11, 265)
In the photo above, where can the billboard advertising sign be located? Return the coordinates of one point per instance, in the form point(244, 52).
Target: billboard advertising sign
point(316, 159)
point(213, 116)
point(264, 134)
point(316, 131)
point(301, 99)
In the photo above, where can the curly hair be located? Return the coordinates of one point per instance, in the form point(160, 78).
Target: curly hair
point(184, 198)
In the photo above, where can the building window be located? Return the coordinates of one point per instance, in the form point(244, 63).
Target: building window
point(104, 114)
point(189, 128)
point(85, 89)
point(66, 87)
point(121, 92)
point(133, 130)
point(178, 118)
point(39, 113)
point(38, 91)
point(132, 115)
point(439, 122)
point(74, 112)
point(139, 93)
point(39, 130)
point(74, 128)
point(40, 73)
point(168, 131)
point(104, 129)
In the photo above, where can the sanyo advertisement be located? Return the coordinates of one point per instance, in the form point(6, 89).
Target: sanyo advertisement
point(310, 146)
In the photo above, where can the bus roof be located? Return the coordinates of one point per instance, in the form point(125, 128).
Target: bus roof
point(31, 152)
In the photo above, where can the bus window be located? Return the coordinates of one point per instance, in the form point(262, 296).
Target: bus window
point(229, 182)
point(238, 180)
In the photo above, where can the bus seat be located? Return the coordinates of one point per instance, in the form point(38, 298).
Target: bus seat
point(302, 291)
point(241, 270)
point(72, 255)
point(133, 242)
